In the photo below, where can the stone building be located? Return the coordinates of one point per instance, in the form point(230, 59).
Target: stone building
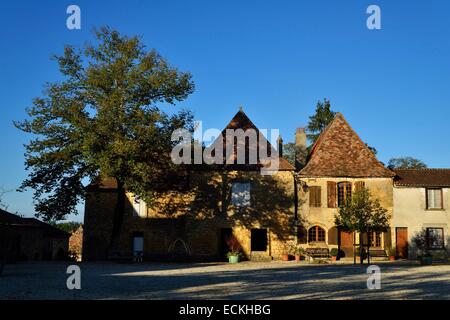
point(23, 239)
point(338, 164)
point(194, 223)
point(266, 212)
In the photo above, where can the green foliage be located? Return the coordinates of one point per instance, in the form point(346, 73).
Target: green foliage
point(406, 163)
point(334, 252)
point(68, 227)
point(103, 119)
point(294, 155)
point(320, 120)
point(362, 214)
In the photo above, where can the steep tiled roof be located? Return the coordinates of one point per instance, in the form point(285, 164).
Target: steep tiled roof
point(339, 152)
point(422, 177)
point(242, 121)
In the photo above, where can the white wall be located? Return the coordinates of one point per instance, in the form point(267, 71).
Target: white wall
point(410, 211)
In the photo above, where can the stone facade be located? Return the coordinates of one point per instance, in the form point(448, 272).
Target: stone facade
point(191, 225)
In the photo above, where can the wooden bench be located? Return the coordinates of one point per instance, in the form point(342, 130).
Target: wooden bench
point(377, 253)
point(318, 253)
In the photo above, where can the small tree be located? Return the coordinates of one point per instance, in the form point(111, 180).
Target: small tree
point(363, 214)
point(406, 163)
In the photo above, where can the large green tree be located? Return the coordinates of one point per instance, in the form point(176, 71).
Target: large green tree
point(363, 214)
point(104, 118)
point(406, 163)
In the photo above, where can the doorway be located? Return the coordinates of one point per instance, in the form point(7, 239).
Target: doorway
point(401, 240)
point(259, 240)
point(225, 233)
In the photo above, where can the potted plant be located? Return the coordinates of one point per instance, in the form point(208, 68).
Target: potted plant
point(334, 252)
point(288, 250)
point(235, 249)
point(391, 252)
point(299, 252)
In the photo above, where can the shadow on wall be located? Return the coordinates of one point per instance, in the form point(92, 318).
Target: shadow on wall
point(206, 205)
point(424, 243)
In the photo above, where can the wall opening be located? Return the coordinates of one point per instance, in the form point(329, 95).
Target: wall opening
point(259, 240)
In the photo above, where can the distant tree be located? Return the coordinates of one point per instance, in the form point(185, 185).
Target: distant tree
point(320, 120)
point(68, 227)
point(406, 163)
point(294, 155)
point(3, 205)
point(362, 214)
point(103, 119)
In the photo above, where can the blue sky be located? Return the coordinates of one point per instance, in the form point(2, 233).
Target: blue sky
point(276, 58)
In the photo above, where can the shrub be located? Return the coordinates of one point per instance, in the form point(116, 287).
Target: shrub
point(334, 252)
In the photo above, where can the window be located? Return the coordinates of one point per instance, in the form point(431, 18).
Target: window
point(344, 192)
point(139, 207)
point(315, 196)
point(375, 239)
point(259, 240)
point(435, 238)
point(434, 199)
point(316, 234)
point(240, 194)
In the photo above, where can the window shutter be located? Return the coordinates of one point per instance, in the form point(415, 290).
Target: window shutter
point(301, 235)
point(331, 191)
point(315, 196)
point(359, 185)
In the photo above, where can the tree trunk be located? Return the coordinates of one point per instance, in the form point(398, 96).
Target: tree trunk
point(361, 247)
point(119, 212)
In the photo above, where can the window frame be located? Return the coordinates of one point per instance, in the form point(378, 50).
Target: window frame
point(427, 202)
point(442, 246)
point(347, 192)
point(372, 239)
point(316, 232)
point(245, 203)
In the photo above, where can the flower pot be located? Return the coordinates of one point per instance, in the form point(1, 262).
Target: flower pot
point(391, 258)
point(285, 257)
point(333, 258)
point(233, 259)
point(426, 260)
point(298, 257)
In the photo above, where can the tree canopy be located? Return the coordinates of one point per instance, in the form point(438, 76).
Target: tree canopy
point(406, 163)
point(320, 120)
point(362, 214)
point(103, 119)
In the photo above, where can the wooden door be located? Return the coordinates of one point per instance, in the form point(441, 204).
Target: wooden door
point(401, 239)
point(346, 243)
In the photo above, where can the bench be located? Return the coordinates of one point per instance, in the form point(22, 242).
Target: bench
point(377, 253)
point(318, 253)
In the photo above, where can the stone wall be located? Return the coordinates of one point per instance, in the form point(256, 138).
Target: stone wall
point(193, 219)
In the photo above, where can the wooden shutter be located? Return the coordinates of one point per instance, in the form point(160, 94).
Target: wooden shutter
point(315, 196)
point(359, 185)
point(331, 191)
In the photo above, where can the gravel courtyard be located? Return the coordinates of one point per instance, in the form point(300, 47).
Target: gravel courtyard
point(247, 280)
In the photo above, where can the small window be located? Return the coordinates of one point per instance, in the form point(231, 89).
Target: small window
point(375, 239)
point(344, 192)
point(315, 196)
point(316, 234)
point(240, 194)
point(139, 207)
point(259, 240)
point(435, 238)
point(434, 199)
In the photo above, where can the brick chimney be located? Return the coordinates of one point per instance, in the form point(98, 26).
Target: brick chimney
point(280, 145)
